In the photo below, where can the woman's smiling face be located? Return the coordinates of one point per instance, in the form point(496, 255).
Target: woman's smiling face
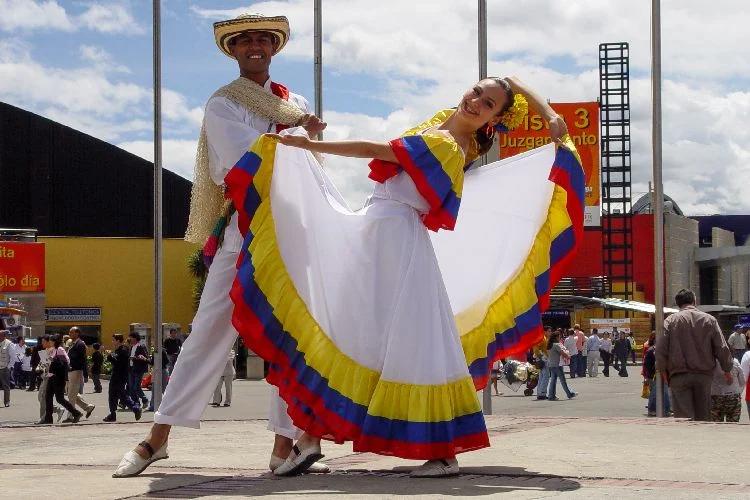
point(483, 102)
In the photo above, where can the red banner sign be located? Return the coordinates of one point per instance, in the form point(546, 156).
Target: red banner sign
point(21, 267)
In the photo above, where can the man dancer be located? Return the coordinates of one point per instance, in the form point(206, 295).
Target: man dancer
point(235, 116)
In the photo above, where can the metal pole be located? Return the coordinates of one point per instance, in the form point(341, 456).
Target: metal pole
point(482, 49)
point(158, 330)
point(318, 61)
point(658, 199)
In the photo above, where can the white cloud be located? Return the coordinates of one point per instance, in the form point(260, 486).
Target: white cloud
point(29, 15)
point(93, 99)
point(49, 15)
point(109, 18)
point(177, 155)
point(101, 59)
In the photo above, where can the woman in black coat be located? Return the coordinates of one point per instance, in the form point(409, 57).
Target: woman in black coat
point(58, 373)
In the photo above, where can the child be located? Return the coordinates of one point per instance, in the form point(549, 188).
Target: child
point(725, 393)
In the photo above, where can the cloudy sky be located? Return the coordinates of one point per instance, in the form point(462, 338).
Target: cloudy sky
point(390, 63)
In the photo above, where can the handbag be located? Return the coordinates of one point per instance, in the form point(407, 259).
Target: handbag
point(646, 391)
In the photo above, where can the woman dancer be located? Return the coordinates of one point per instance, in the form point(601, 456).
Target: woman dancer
point(351, 309)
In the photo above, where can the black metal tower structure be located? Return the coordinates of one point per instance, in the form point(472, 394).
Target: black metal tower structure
point(617, 233)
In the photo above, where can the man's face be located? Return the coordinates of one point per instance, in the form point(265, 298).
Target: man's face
point(253, 51)
point(73, 334)
point(173, 333)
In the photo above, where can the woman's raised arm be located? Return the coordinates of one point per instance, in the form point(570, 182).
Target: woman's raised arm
point(557, 126)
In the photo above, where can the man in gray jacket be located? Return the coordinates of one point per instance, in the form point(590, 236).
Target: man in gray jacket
point(687, 355)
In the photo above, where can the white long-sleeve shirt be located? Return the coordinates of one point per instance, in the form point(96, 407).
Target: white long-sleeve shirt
point(719, 386)
point(230, 131)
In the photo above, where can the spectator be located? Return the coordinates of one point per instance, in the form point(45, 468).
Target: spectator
point(555, 351)
point(18, 352)
point(540, 352)
point(726, 389)
point(631, 339)
point(120, 359)
point(593, 344)
point(496, 366)
point(97, 360)
point(45, 349)
point(649, 375)
point(35, 379)
point(164, 374)
point(26, 368)
point(686, 357)
point(139, 361)
point(605, 351)
point(5, 365)
point(621, 350)
point(737, 343)
point(570, 346)
point(228, 376)
point(172, 346)
point(615, 338)
point(581, 348)
point(78, 362)
point(57, 374)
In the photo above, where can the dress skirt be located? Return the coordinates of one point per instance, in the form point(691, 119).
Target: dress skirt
point(351, 310)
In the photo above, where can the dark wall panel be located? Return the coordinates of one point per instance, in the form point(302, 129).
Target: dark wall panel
point(66, 183)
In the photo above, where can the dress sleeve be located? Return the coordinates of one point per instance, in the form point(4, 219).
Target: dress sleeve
point(435, 164)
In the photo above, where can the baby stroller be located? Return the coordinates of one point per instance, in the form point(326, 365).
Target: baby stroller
point(514, 374)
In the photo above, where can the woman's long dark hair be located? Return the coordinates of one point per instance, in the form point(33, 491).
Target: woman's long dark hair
point(483, 137)
point(553, 339)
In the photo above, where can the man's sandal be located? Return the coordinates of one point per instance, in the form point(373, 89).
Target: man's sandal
point(132, 464)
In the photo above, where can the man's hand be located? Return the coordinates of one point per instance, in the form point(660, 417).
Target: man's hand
point(312, 124)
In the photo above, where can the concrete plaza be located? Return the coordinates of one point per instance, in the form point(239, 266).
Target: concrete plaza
point(596, 446)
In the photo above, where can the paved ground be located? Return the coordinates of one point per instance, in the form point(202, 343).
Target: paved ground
point(598, 397)
point(570, 449)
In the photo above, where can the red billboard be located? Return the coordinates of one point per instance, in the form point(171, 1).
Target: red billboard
point(21, 267)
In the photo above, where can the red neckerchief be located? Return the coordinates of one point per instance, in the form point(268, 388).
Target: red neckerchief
point(280, 91)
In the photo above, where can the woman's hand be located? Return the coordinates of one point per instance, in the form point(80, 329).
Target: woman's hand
point(296, 141)
point(557, 128)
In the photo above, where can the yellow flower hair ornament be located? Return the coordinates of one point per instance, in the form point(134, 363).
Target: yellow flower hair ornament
point(514, 116)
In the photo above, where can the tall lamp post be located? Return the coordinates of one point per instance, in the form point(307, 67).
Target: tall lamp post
point(658, 199)
point(482, 49)
point(318, 60)
point(158, 383)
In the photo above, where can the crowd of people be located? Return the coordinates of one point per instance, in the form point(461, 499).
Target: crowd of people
point(582, 354)
point(59, 366)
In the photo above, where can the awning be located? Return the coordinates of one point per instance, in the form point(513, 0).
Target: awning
point(610, 303)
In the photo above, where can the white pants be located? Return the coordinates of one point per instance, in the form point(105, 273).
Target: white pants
point(592, 362)
point(204, 355)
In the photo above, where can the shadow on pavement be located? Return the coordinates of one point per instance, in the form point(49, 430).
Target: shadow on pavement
point(473, 482)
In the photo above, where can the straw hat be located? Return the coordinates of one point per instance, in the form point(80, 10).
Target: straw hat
point(224, 31)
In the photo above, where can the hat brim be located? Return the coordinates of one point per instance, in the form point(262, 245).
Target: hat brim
point(225, 31)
